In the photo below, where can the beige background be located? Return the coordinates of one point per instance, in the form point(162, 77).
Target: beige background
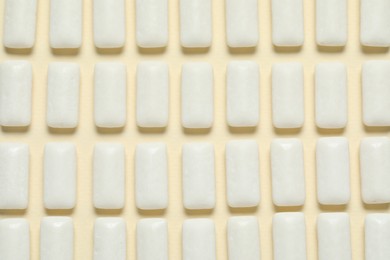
point(174, 135)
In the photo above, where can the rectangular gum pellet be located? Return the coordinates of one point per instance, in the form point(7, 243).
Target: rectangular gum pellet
point(109, 25)
point(152, 94)
point(198, 239)
point(15, 239)
point(331, 22)
point(242, 173)
point(243, 238)
point(197, 95)
point(334, 236)
point(332, 157)
point(60, 174)
point(243, 94)
point(287, 167)
point(110, 94)
point(375, 23)
point(287, 95)
point(66, 24)
point(152, 239)
point(109, 176)
point(287, 23)
point(289, 236)
point(19, 23)
point(375, 169)
point(331, 95)
point(63, 91)
point(15, 93)
point(195, 23)
point(152, 23)
point(242, 23)
point(109, 238)
point(14, 175)
point(151, 176)
point(376, 93)
point(198, 176)
point(57, 238)
point(377, 236)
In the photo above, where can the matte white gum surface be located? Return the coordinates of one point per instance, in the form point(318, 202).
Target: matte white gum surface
point(287, 95)
point(242, 173)
point(243, 238)
point(198, 239)
point(19, 23)
point(152, 239)
point(60, 175)
point(289, 236)
point(151, 176)
point(66, 24)
point(15, 239)
point(287, 169)
point(15, 93)
point(109, 239)
point(198, 176)
point(375, 169)
point(333, 176)
point(243, 94)
point(14, 175)
point(57, 238)
point(242, 23)
point(63, 95)
point(109, 176)
point(331, 95)
point(196, 23)
point(197, 95)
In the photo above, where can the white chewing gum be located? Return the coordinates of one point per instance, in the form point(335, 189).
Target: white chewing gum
point(15, 93)
point(375, 23)
point(109, 239)
point(375, 170)
point(243, 94)
point(333, 181)
point(19, 23)
point(289, 236)
point(243, 238)
point(14, 239)
point(57, 238)
point(287, 95)
point(242, 23)
point(377, 236)
point(334, 236)
point(152, 239)
point(60, 175)
point(287, 169)
point(152, 23)
point(66, 24)
point(331, 95)
point(242, 173)
point(198, 176)
point(151, 176)
point(109, 23)
point(331, 22)
point(196, 23)
point(197, 95)
point(110, 94)
point(287, 23)
point(198, 239)
point(152, 94)
point(376, 93)
point(109, 176)
point(14, 175)
point(63, 95)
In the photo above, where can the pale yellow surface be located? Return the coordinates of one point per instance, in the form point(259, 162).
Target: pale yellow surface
point(86, 135)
